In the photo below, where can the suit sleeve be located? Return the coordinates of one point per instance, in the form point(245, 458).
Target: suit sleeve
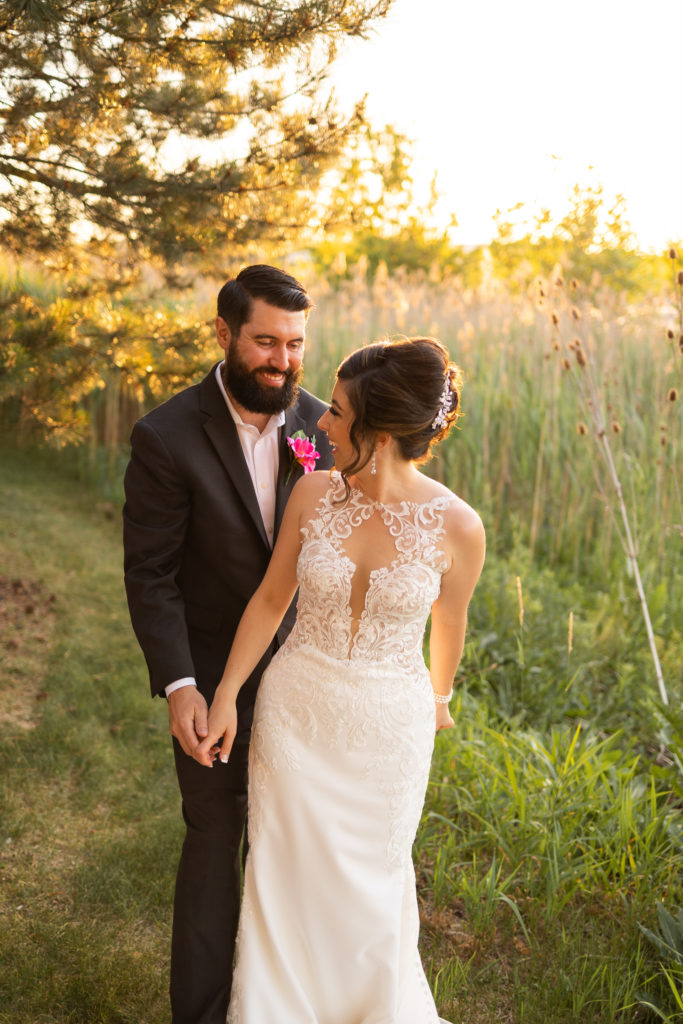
point(155, 518)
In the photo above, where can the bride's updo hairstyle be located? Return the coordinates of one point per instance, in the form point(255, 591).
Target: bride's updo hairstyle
point(407, 388)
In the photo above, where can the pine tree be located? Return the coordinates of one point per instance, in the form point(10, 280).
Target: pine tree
point(178, 125)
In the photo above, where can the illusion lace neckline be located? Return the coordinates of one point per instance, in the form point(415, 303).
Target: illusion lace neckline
point(363, 498)
point(386, 614)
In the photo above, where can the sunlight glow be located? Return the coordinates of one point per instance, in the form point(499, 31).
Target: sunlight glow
point(519, 102)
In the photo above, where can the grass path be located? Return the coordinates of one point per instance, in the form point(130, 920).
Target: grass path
point(89, 811)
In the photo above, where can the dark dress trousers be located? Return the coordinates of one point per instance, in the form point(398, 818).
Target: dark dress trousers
point(195, 549)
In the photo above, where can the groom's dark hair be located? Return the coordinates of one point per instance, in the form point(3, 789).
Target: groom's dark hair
point(236, 297)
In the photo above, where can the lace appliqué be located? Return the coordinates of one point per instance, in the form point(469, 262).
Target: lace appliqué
point(399, 595)
point(383, 715)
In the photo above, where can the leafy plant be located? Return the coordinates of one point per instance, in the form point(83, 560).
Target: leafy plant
point(668, 941)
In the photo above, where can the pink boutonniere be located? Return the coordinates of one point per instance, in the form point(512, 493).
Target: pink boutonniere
point(302, 452)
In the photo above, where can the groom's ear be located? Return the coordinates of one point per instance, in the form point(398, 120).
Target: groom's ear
point(222, 333)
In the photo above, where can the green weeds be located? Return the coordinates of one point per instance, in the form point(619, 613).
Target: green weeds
point(549, 850)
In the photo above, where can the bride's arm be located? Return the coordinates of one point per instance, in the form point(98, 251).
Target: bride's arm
point(467, 545)
point(257, 627)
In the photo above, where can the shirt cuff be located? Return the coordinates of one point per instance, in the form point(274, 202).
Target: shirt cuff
point(185, 681)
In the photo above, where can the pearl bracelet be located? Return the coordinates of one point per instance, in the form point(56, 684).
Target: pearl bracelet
point(443, 698)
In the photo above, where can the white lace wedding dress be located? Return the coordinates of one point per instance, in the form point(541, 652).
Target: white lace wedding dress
point(340, 753)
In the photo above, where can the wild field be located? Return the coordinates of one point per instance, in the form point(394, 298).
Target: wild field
point(549, 857)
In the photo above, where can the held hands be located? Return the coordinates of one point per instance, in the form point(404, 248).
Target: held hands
point(187, 713)
point(222, 723)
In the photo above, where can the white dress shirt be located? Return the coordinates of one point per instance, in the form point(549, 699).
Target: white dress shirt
point(260, 449)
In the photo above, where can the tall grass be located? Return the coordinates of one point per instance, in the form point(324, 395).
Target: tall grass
point(519, 456)
point(523, 455)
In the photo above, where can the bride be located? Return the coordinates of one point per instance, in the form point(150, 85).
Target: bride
point(346, 712)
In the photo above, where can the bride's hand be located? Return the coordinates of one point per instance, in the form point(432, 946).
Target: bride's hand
point(443, 717)
point(222, 723)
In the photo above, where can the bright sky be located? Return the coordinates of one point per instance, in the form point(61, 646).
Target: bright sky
point(518, 100)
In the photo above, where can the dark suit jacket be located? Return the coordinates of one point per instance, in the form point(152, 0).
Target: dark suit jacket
point(195, 547)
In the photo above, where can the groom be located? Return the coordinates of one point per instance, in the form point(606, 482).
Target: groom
point(209, 476)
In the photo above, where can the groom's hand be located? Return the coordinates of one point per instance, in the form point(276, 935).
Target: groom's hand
point(188, 717)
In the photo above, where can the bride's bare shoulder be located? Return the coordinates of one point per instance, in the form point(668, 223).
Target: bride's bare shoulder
point(463, 524)
point(309, 490)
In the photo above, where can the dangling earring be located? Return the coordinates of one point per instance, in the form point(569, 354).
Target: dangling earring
point(373, 465)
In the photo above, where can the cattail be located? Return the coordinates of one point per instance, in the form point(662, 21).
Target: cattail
point(662, 441)
point(573, 284)
point(679, 277)
point(680, 342)
point(520, 601)
point(581, 429)
point(672, 253)
point(580, 357)
point(566, 365)
point(616, 427)
point(559, 282)
point(576, 315)
point(673, 395)
point(556, 345)
point(670, 334)
point(555, 319)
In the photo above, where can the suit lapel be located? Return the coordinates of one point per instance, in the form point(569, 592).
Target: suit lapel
point(222, 432)
point(293, 422)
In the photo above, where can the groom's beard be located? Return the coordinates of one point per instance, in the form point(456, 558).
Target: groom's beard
point(245, 387)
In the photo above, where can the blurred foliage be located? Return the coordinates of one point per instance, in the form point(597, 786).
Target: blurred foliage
point(385, 226)
point(81, 359)
point(590, 242)
point(178, 125)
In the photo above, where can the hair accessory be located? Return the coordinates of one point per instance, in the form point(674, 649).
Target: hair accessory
point(373, 464)
point(443, 698)
point(441, 419)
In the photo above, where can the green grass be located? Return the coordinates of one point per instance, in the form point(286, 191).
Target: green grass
point(539, 856)
point(90, 817)
point(552, 828)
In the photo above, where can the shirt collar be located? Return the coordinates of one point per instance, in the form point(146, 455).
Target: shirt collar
point(275, 421)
